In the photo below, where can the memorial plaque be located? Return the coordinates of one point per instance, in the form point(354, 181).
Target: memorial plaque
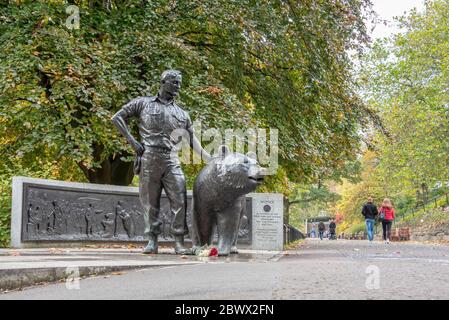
point(47, 211)
point(267, 224)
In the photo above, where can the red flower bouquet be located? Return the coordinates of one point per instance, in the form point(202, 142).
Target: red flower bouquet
point(207, 251)
point(213, 252)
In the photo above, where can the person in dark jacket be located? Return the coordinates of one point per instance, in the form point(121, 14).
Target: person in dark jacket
point(370, 212)
point(332, 227)
point(321, 229)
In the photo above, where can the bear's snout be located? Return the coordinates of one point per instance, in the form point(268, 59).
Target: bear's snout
point(257, 174)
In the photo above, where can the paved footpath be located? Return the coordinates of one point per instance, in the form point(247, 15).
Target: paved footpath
point(315, 270)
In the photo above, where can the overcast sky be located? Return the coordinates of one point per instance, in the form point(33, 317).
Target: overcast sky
point(387, 9)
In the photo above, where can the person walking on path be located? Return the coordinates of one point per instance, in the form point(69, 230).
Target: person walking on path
point(321, 229)
point(370, 212)
point(387, 217)
point(313, 232)
point(332, 227)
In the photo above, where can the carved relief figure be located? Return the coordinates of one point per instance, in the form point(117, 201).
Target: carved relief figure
point(88, 214)
point(108, 226)
point(58, 216)
point(81, 220)
point(137, 217)
point(45, 215)
point(33, 220)
point(41, 220)
point(126, 219)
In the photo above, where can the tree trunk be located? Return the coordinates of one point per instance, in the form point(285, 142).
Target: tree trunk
point(112, 170)
point(100, 4)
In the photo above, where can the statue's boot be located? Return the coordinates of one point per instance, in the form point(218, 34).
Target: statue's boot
point(179, 246)
point(152, 245)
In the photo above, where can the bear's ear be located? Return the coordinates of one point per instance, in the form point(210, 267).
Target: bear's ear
point(252, 155)
point(223, 151)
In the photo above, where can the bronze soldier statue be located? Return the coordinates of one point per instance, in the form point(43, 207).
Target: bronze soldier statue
point(157, 161)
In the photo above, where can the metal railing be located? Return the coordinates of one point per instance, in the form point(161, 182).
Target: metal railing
point(425, 205)
point(291, 234)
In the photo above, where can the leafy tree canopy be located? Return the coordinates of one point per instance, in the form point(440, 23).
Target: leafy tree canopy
point(406, 80)
point(278, 64)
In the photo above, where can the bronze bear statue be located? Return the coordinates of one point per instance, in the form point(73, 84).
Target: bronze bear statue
point(219, 198)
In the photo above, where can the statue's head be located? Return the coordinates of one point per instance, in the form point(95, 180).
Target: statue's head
point(171, 82)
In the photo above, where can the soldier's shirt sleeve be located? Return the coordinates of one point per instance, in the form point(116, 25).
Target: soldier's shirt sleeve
point(132, 108)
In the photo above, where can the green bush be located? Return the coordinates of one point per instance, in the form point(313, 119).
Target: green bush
point(405, 204)
point(360, 227)
point(5, 211)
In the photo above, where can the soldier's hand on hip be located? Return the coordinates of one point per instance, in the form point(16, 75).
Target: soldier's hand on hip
point(138, 147)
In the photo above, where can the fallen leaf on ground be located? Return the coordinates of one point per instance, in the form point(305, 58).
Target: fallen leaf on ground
point(184, 257)
point(116, 273)
point(55, 251)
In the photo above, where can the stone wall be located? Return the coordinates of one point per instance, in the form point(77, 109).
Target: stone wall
point(56, 213)
point(431, 232)
point(45, 212)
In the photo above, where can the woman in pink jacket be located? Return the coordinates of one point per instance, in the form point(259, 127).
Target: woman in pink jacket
point(386, 214)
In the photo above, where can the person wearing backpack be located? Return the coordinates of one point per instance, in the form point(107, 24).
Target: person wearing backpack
point(370, 212)
point(387, 218)
point(321, 229)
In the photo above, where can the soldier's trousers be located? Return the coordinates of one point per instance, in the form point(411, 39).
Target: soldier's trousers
point(159, 170)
